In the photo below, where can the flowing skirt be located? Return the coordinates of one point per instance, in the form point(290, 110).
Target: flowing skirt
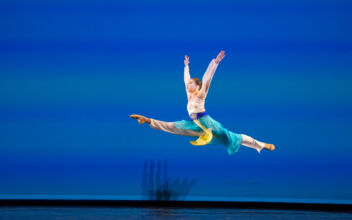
point(221, 135)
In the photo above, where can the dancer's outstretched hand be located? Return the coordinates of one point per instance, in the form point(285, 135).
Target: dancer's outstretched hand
point(220, 56)
point(186, 61)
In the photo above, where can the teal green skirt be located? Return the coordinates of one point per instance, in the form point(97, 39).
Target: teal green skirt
point(221, 135)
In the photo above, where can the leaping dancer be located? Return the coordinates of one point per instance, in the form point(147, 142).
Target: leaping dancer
point(201, 125)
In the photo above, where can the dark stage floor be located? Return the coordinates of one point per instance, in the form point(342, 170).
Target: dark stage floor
point(73, 213)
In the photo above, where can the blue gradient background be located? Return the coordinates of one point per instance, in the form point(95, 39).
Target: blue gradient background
point(71, 72)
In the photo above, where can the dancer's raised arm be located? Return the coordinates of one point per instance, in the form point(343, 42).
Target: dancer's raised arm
point(187, 76)
point(208, 75)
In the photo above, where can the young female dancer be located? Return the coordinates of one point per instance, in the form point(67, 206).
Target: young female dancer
point(201, 124)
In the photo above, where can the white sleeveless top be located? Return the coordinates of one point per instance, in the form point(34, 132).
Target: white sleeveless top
point(196, 104)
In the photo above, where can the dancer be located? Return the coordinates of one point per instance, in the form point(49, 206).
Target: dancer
point(201, 124)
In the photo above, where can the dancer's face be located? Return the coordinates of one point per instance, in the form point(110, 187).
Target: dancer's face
point(192, 86)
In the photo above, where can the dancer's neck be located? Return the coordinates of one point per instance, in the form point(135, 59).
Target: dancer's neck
point(193, 94)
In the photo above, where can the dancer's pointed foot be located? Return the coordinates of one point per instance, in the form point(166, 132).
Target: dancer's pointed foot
point(141, 119)
point(269, 146)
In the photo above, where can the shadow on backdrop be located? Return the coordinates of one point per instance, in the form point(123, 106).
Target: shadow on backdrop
point(157, 186)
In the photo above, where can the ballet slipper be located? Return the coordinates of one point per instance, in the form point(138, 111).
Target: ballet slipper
point(270, 147)
point(141, 119)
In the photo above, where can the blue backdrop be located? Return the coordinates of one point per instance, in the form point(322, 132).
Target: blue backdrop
point(71, 72)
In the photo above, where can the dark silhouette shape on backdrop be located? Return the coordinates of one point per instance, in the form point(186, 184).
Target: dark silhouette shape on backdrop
point(156, 185)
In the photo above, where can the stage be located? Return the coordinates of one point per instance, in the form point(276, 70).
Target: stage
point(109, 209)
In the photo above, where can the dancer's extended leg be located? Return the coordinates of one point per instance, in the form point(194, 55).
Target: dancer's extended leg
point(165, 126)
point(170, 127)
point(255, 144)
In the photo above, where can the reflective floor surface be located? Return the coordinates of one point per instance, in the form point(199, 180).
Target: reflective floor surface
point(74, 213)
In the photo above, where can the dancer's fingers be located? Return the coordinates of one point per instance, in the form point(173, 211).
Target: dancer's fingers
point(222, 54)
